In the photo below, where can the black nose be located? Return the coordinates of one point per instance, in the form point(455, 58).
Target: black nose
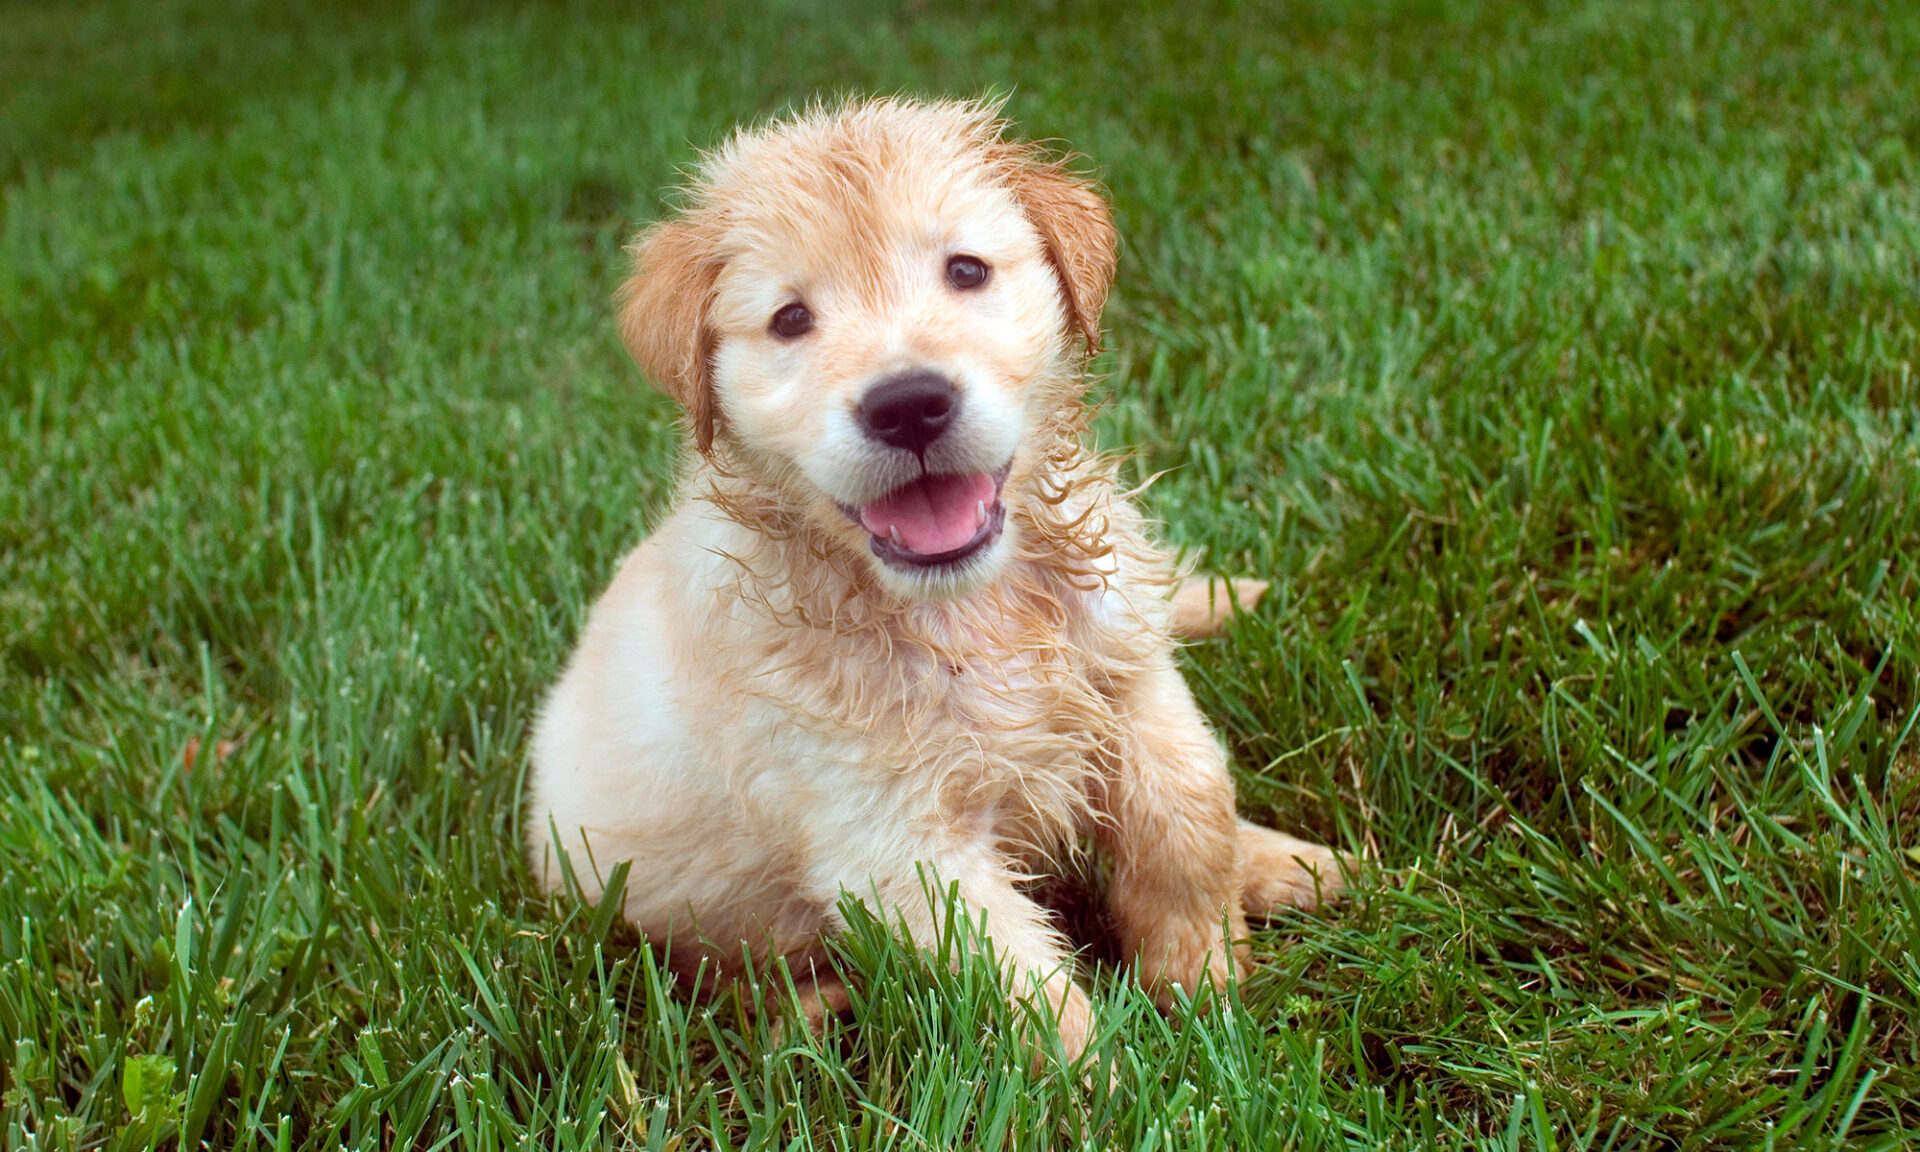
point(910, 410)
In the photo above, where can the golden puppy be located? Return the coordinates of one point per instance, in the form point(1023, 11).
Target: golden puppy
point(901, 623)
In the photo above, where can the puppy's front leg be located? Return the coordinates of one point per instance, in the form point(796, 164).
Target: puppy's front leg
point(916, 889)
point(1173, 835)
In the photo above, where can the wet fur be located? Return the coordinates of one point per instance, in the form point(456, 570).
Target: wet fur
point(761, 716)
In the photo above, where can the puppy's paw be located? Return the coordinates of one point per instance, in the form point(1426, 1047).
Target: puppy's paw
point(1190, 954)
point(1068, 1018)
point(1285, 872)
point(817, 1000)
point(1075, 1021)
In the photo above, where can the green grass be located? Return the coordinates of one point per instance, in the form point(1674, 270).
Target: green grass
point(1557, 362)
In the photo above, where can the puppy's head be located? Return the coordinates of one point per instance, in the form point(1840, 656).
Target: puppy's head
point(874, 308)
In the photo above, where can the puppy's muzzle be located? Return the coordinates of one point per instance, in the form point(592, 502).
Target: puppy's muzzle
point(910, 410)
point(951, 510)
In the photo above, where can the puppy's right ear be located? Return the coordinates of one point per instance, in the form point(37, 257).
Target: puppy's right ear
point(664, 322)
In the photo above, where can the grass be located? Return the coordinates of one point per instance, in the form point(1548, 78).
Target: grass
point(1557, 361)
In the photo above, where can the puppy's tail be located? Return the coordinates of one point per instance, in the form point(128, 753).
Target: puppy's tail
point(1203, 604)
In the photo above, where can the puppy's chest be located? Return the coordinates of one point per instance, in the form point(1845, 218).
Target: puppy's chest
point(1036, 692)
point(1010, 730)
point(977, 718)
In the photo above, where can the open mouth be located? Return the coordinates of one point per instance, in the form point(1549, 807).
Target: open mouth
point(935, 521)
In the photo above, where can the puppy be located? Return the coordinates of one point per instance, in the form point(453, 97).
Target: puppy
point(902, 634)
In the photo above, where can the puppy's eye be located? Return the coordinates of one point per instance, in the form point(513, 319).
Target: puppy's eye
point(965, 272)
point(791, 321)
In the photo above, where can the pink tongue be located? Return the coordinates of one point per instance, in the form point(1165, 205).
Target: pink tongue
point(934, 514)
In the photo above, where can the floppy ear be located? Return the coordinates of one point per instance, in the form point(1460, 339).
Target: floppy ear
point(663, 318)
point(1077, 228)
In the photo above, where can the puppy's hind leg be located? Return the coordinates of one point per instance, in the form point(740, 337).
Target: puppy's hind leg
point(1283, 871)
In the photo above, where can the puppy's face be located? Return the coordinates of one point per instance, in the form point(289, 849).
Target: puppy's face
point(885, 312)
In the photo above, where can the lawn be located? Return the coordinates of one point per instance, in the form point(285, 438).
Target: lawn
point(1556, 361)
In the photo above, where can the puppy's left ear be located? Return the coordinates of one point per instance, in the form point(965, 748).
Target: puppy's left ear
point(1076, 226)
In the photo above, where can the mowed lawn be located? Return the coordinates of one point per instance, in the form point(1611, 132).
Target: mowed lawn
point(1556, 361)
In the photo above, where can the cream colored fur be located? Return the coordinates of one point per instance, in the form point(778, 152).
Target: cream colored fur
point(762, 715)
